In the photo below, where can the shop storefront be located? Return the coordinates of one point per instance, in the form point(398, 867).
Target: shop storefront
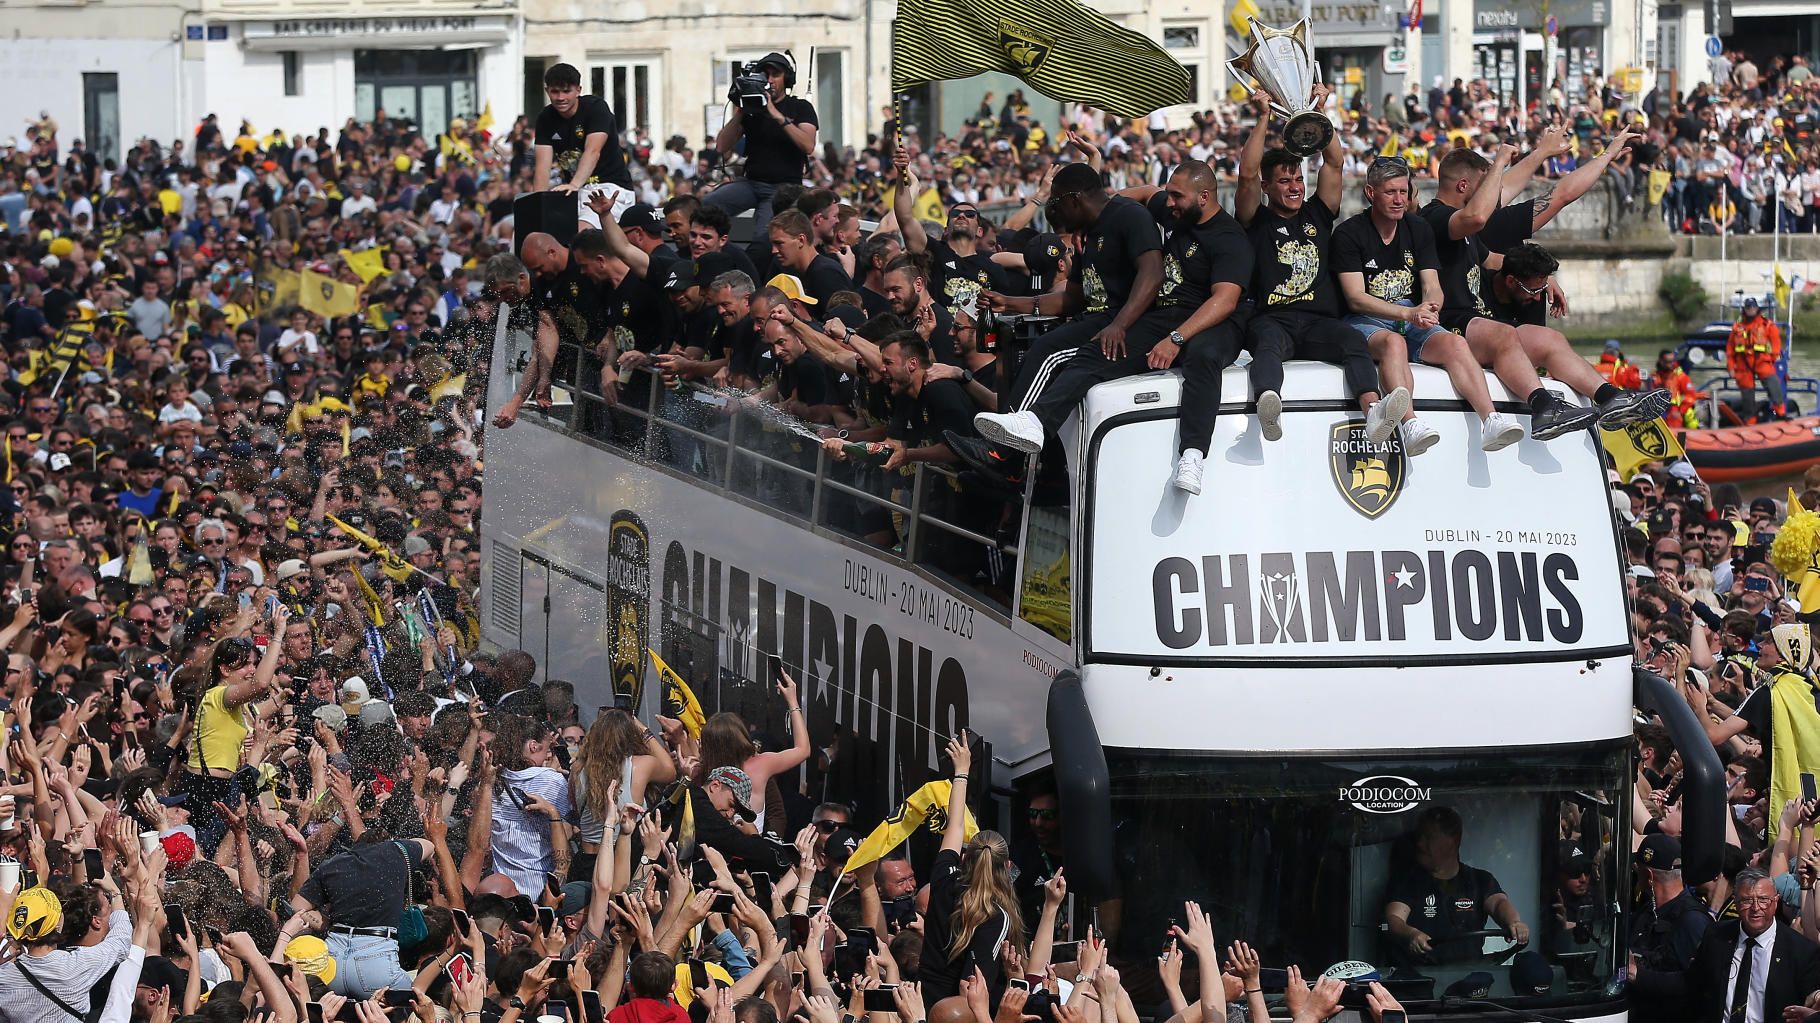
point(1523, 47)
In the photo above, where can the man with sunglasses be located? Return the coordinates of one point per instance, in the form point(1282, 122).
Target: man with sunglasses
point(958, 270)
point(1471, 231)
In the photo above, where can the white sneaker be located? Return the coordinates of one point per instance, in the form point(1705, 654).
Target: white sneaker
point(1500, 431)
point(1022, 431)
point(1188, 471)
point(1270, 415)
point(1418, 437)
point(1382, 418)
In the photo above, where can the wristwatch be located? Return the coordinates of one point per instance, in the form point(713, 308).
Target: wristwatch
point(1176, 336)
point(966, 376)
point(515, 1002)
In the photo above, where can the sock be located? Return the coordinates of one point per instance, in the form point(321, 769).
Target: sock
point(1539, 399)
point(1605, 393)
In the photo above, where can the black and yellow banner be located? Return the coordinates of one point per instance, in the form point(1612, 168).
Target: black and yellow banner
point(679, 700)
point(928, 804)
point(1638, 444)
point(1062, 48)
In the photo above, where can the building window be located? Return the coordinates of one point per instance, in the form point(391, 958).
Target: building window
point(1194, 84)
point(1181, 37)
point(631, 87)
point(293, 73)
point(831, 96)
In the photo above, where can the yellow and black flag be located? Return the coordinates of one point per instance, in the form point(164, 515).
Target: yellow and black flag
point(1062, 48)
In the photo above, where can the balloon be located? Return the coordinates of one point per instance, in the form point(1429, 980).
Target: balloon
point(402, 162)
point(62, 247)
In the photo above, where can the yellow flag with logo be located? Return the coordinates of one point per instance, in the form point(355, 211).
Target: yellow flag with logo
point(395, 567)
point(1659, 181)
point(325, 296)
point(1794, 738)
point(930, 804)
point(678, 700)
point(368, 263)
point(1062, 48)
point(1639, 444)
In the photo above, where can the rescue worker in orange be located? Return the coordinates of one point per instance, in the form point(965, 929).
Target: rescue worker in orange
point(1683, 408)
point(1751, 354)
point(1619, 371)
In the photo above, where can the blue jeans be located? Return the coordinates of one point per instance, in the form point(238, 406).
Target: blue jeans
point(364, 964)
point(742, 194)
point(1413, 336)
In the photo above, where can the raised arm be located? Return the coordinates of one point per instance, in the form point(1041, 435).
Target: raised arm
point(1250, 192)
point(903, 203)
point(1471, 218)
point(540, 173)
point(1551, 143)
point(1577, 183)
point(954, 835)
point(1328, 184)
point(617, 242)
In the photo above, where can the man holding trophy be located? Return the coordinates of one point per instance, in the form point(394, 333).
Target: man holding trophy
point(1296, 305)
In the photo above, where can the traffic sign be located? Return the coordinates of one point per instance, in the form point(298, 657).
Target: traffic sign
point(1713, 46)
point(1550, 26)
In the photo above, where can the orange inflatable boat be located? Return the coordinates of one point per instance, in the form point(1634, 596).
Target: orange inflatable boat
point(1739, 454)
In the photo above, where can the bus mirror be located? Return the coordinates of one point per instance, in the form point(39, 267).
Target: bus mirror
point(1083, 788)
point(1703, 809)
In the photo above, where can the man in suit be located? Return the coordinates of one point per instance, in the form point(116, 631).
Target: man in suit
point(1748, 970)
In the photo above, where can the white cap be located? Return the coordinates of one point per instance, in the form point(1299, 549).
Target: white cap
point(354, 692)
point(291, 569)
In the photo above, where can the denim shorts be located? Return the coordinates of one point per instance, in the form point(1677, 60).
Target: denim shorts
point(364, 964)
point(1413, 336)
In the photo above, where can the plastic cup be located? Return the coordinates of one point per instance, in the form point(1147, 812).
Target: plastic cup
point(148, 841)
point(9, 874)
point(551, 1019)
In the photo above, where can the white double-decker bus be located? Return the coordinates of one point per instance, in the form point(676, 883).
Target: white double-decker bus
point(1249, 698)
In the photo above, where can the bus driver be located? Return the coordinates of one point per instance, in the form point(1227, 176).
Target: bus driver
point(1438, 899)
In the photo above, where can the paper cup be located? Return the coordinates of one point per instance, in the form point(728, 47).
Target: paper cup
point(9, 874)
point(148, 841)
point(551, 1019)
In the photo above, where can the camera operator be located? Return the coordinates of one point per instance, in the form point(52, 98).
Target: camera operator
point(779, 135)
point(578, 136)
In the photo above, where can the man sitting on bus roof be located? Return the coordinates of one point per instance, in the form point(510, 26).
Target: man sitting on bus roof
point(1432, 907)
point(1206, 266)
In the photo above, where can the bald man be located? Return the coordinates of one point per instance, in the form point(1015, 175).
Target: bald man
point(1206, 266)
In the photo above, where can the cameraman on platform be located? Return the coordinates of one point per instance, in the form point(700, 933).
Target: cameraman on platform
point(780, 135)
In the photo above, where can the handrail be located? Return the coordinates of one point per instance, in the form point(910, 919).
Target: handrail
point(733, 448)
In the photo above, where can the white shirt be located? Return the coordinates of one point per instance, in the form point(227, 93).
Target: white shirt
point(1759, 973)
point(305, 338)
point(354, 205)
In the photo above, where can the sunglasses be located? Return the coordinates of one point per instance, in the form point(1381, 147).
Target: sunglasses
point(1036, 814)
point(964, 213)
point(827, 827)
point(1527, 290)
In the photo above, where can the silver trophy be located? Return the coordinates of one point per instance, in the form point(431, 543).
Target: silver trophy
point(1281, 64)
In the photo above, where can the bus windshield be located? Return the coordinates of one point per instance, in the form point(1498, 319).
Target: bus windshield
point(1331, 550)
point(1301, 856)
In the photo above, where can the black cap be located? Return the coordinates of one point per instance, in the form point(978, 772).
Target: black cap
point(1572, 858)
point(1043, 255)
point(841, 845)
point(642, 216)
point(1658, 852)
point(853, 316)
point(1766, 505)
point(776, 60)
point(685, 273)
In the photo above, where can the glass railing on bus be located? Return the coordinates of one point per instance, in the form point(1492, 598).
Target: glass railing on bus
point(925, 515)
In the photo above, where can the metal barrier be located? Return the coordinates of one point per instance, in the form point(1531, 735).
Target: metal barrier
point(921, 514)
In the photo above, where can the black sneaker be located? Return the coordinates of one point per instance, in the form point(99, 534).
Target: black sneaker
point(1557, 418)
point(1000, 467)
point(1627, 408)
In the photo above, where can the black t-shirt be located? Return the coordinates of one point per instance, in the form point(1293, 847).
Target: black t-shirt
point(366, 886)
point(812, 382)
point(1460, 267)
point(578, 305)
point(699, 329)
point(1442, 909)
point(920, 420)
point(771, 155)
point(1107, 263)
point(567, 137)
point(954, 276)
point(823, 278)
point(1393, 271)
point(1290, 254)
point(1511, 224)
point(1757, 710)
point(941, 973)
point(641, 305)
point(747, 353)
point(1195, 258)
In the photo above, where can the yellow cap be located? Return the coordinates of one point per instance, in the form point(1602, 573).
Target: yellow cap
point(310, 954)
point(1740, 533)
point(791, 286)
point(36, 914)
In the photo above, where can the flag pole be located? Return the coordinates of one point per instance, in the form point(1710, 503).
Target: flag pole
point(897, 98)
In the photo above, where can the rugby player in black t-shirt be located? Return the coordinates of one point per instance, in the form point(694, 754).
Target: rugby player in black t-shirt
point(958, 270)
point(1295, 304)
point(1465, 206)
point(1517, 291)
point(1389, 275)
point(577, 140)
point(1112, 283)
point(1206, 268)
